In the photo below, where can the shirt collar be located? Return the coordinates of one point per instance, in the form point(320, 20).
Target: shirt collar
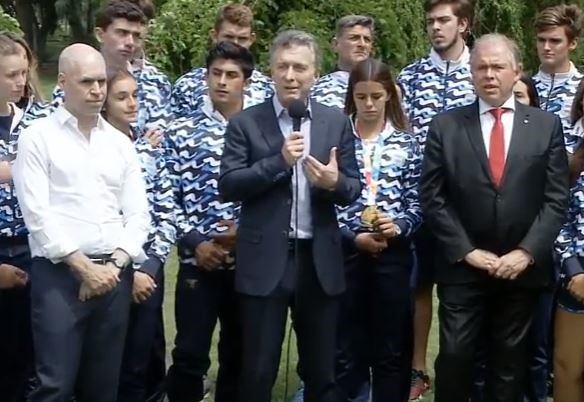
point(281, 111)
point(64, 117)
point(210, 111)
point(484, 107)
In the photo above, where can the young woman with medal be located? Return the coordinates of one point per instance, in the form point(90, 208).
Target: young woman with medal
point(376, 318)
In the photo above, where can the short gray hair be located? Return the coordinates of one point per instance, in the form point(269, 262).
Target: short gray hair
point(293, 37)
point(510, 44)
point(349, 21)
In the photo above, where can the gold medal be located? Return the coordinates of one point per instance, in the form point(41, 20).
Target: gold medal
point(368, 216)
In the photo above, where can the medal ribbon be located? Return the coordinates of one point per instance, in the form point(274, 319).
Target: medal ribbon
point(372, 167)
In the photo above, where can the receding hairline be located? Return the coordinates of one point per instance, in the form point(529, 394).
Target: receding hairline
point(498, 39)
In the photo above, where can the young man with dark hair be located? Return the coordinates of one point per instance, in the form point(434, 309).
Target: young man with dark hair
point(120, 28)
point(558, 29)
point(205, 291)
point(234, 23)
point(353, 42)
point(439, 82)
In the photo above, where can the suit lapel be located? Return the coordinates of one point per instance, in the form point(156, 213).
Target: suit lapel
point(318, 137)
point(519, 135)
point(270, 127)
point(475, 136)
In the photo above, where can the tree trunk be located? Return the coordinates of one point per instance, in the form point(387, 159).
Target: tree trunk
point(28, 22)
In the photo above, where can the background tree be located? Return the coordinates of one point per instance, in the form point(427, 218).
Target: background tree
point(8, 23)
point(179, 37)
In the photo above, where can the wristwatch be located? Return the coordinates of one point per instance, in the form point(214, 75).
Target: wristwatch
point(117, 263)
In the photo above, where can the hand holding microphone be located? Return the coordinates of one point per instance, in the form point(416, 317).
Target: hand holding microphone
point(293, 148)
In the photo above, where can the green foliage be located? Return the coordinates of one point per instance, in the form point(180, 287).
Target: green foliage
point(8, 23)
point(180, 35)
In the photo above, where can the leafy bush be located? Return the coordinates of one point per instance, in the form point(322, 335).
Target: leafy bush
point(180, 35)
point(8, 23)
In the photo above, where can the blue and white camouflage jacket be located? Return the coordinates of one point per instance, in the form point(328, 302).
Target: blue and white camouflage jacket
point(430, 86)
point(397, 193)
point(195, 147)
point(158, 185)
point(570, 242)
point(556, 94)
point(331, 89)
point(11, 221)
point(154, 91)
point(190, 90)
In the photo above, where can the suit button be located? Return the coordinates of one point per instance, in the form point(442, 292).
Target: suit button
point(285, 233)
point(288, 202)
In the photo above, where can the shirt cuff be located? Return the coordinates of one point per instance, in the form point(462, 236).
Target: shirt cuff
point(572, 267)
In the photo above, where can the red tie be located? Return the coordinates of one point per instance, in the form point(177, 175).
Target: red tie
point(497, 147)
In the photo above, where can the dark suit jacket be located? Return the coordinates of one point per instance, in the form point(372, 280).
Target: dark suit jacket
point(465, 210)
point(254, 172)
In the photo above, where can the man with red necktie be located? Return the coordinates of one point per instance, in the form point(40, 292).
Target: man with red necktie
point(494, 190)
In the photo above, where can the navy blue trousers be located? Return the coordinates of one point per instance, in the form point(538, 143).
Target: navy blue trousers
point(78, 345)
point(16, 357)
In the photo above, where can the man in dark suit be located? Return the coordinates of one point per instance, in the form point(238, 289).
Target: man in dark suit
point(288, 241)
point(494, 188)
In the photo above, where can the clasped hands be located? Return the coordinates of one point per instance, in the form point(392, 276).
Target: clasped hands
point(213, 253)
point(318, 174)
point(508, 266)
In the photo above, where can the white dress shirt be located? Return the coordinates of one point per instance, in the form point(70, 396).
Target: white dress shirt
point(78, 193)
point(303, 195)
point(488, 121)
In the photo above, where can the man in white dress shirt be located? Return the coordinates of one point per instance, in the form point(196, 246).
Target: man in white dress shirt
point(83, 200)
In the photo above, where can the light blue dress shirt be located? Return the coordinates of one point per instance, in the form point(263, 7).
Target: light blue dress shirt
point(300, 193)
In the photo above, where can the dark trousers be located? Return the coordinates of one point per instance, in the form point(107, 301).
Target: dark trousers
point(264, 325)
point(141, 374)
point(202, 298)
point(78, 345)
point(375, 326)
point(541, 360)
point(493, 315)
point(16, 358)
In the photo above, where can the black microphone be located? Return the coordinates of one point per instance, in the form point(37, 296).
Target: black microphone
point(296, 110)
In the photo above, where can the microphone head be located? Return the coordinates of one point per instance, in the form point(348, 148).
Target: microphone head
point(297, 109)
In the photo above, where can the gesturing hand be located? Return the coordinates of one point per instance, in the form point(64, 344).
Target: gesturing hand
point(320, 175)
point(293, 148)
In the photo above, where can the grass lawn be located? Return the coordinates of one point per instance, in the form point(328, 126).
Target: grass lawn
point(279, 389)
point(48, 79)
